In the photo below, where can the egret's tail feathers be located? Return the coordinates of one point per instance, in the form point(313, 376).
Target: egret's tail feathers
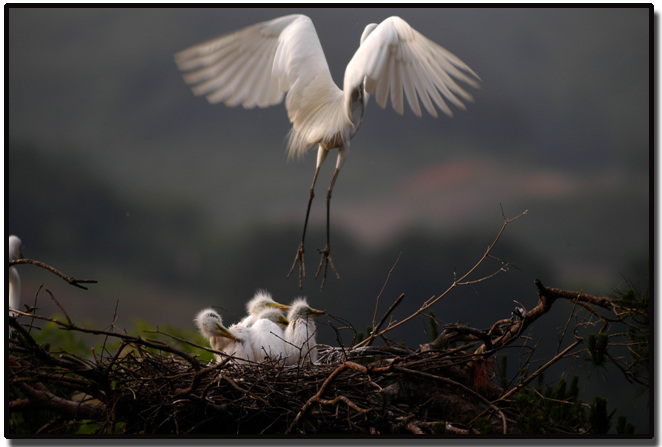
point(323, 121)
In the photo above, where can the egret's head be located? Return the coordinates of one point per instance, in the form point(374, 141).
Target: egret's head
point(300, 309)
point(367, 30)
point(263, 301)
point(210, 324)
point(274, 315)
point(14, 247)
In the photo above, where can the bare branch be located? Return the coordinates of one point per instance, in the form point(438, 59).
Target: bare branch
point(458, 281)
point(375, 329)
point(69, 279)
point(388, 277)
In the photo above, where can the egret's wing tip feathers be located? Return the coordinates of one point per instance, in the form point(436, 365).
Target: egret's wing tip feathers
point(394, 59)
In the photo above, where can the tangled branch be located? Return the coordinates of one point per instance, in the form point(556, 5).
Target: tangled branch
point(138, 384)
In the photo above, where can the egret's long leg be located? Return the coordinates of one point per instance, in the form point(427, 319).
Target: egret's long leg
point(326, 256)
point(299, 257)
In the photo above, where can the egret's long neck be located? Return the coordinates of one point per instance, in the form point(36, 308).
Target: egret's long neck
point(357, 107)
point(14, 289)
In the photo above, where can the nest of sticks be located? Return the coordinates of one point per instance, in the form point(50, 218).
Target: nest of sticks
point(147, 387)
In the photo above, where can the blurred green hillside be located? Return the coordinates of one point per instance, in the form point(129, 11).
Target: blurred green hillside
point(164, 259)
point(161, 252)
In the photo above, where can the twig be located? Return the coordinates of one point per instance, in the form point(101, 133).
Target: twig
point(452, 332)
point(460, 386)
point(539, 371)
point(155, 344)
point(71, 280)
point(388, 277)
point(60, 306)
point(316, 398)
point(375, 330)
point(528, 380)
point(426, 305)
point(43, 398)
point(546, 297)
point(348, 402)
point(549, 294)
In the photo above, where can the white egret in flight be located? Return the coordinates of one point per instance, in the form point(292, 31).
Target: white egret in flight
point(260, 302)
point(256, 65)
point(210, 325)
point(300, 333)
point(14, 278)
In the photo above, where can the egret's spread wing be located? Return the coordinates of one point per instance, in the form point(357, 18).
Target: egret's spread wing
point(258, 64)
point(394, 57)
point(236, 68)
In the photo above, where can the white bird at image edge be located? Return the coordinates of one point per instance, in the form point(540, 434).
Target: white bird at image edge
point(14, 278)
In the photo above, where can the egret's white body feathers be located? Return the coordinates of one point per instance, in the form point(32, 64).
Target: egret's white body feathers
point(14, 290)
point(267, 336)
point(300, 334)
point(234, 341)
point(242, 349)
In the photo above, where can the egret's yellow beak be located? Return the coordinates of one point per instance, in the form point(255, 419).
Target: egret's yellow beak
point(283, 320)
point(315, 312)
point(281, 307)
point(224, 332)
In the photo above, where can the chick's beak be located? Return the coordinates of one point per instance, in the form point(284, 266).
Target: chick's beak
point(315, 312)
point(224, 332)
point(281, 307)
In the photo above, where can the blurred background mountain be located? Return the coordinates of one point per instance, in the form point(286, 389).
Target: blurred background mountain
point(116, 171)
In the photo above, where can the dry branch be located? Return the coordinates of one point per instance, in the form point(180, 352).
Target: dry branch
point(71, 280)
point(463, 280)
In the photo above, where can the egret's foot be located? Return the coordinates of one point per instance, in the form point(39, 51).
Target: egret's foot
point(302, 268)
point(325, 261)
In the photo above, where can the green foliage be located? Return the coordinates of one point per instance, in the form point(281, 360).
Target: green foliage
point(637, 304)
point(434, 330)
point(574, 387)
point(554, 410)
point(88, 427)
point(598, 417)
point(623, 427)
point(368, 331)
point(503, 370)
point(52, 335)
point(179, 338)
point(483, 426)
point(597, 347)
point(439, 428)
point(557, 410)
